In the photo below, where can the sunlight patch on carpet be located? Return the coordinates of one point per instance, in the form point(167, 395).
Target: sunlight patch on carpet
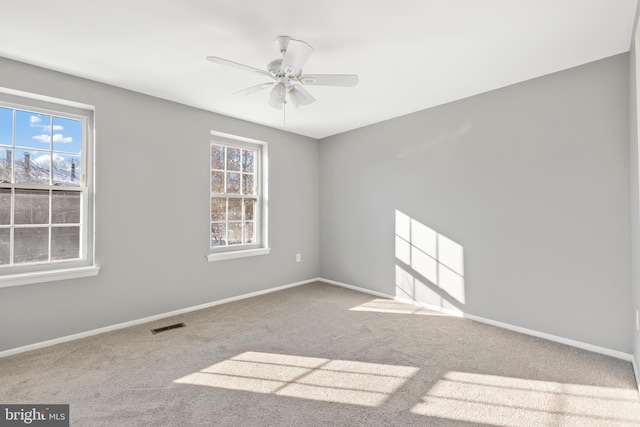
point(327, 380)
point(500, 401)
point(382, 305)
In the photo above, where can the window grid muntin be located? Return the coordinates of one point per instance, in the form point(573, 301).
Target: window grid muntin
point(52, 113)
point(255, 196)
point(50, 187)
point(50, 225)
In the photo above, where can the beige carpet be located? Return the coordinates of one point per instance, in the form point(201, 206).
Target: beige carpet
point(320, 355)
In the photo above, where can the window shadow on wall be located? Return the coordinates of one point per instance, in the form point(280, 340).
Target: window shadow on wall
point(429, 266)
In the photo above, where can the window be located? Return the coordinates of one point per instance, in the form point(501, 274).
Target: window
point(238, 202)
point(46, 202)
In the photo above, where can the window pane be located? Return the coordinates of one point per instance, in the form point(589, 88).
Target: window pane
point(65, 207)
point(65, 243)
point(33, 130)
point(234, 203)
point(5, 206)
point(217, 156)
point(32, 166)
point(247, 160)
point(218, 234)
point(235, 233)
point(235, 210)
point(31, 245)
point(5, 164)
point(31, 207)
point(217, 182)
point(5, 234)
point(249, 207)
point(249, 232)
point(67, 135)
point(41, 219)
point(66, 169)
point(247, 184)
point(6, 125)
point(233, 183)
point(233, 159)
point(218, 209)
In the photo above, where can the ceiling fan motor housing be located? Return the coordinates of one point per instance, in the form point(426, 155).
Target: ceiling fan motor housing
point(274, 66)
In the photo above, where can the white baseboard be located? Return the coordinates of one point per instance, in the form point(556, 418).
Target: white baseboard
point(573, 343)
point(356, 288)
point(448, 311)
point(578, 344)
point(80, 335)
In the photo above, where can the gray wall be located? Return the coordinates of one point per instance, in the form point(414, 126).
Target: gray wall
point(532, 180)
point(152, 214)
point(635, 193)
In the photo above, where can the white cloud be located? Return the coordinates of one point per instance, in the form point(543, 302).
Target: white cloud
point(42, 138)
point(58, 137)
point(35, 123)
point(47, 128)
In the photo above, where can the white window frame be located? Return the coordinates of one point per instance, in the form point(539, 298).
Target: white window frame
point(47, 271)
point(261, 247)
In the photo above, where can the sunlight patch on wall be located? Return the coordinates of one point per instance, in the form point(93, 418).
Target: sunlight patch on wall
point(499, 400)
point(436, 140)
point(433, 271)
point(327, 380)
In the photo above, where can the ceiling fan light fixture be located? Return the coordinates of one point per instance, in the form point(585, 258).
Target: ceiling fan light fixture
point(286, 75)
point(298, 97)
point(277, 96)
point(282, 42)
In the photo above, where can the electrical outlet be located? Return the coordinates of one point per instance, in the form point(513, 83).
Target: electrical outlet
point(298, 257)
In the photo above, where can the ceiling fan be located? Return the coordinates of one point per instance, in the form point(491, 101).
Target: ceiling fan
point(286, 74)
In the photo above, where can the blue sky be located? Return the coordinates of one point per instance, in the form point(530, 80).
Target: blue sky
point(37, 131)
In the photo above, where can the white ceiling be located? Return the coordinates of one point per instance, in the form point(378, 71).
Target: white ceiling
point(409, 54)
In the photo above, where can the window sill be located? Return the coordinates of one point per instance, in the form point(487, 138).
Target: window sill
point(238, 254)
point(47, 276)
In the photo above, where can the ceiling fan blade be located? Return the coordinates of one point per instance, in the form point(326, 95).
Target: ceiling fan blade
point(300, 96)
point(228, 63)
point(343, 80)
point(253, 89)
point(295, 56)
